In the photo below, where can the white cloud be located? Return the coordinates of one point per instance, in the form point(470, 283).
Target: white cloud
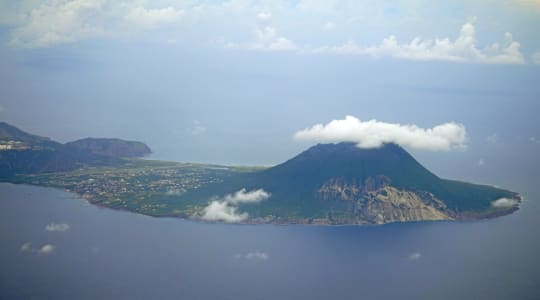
point(197, 128)
point(253, 256)
point(266, 37)
point(264, 17)
point(372, 134)
point(43, 250)
point(243, 196)
point(504, 202)
point(59, 22)
point(223, 211)
point(226, 209)
point(46, 249)
point(257, 256)
point(481, 162)
point(415, 256)
point(57, 227)
point(152, 18)
point(463, 49)
point(26, 247)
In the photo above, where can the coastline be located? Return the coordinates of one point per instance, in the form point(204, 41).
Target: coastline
point(462, 217)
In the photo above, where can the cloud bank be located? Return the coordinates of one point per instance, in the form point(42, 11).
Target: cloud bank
point(57, 227)
point(57, 22)
point(53, 23)
point(504, 202)
point(373, 134)
point(463, 49)
point(226, 209)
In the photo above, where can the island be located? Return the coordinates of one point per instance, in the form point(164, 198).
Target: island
point(331, 184)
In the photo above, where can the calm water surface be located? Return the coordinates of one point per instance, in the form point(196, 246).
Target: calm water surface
point(110, 254)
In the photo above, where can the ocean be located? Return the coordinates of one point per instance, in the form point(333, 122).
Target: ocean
point(55, 245)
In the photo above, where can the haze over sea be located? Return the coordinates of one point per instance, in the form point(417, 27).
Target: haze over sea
point(112, 254)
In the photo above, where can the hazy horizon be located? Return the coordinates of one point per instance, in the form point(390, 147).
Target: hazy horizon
point(231, 82)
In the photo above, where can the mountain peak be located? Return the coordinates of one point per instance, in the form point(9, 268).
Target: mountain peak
point(324, 161)
point(343, 148)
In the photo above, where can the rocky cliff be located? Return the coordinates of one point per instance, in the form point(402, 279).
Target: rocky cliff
point(374, 201)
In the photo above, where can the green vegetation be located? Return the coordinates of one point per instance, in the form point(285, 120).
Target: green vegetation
point(330, 183)
point(294, 184)
point(144, 186)
point(24, 153)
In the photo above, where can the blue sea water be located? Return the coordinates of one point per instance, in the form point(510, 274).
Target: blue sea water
point(109, 254)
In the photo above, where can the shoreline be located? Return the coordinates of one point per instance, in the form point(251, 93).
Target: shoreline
point(464, 217)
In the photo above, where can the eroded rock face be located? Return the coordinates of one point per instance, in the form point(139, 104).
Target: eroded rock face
point(351, 189)
point(375, 201)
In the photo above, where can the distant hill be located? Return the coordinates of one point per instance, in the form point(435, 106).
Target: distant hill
point(110, 147)
point(21, 139)
point(23, 153)
point(343, 184)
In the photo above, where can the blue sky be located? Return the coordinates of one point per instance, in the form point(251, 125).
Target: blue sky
point(232, 81)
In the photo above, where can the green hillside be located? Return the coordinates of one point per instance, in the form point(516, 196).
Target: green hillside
point(25, 153)
point(294, 183)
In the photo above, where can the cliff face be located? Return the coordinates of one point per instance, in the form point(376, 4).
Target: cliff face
point(375, 201)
